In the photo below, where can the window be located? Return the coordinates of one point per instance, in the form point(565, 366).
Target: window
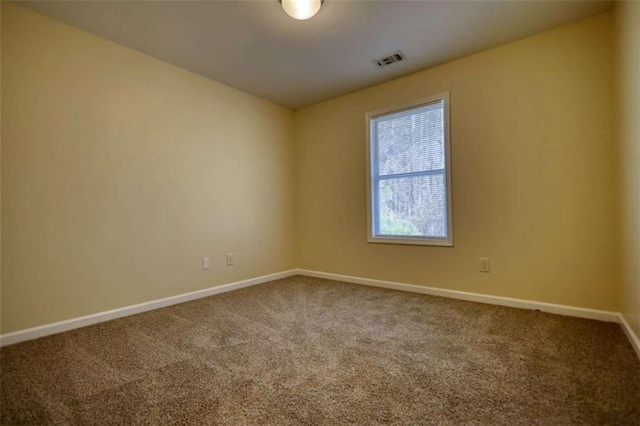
point(409, 174)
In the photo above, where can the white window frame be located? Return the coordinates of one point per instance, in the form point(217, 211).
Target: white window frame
point(372, 176)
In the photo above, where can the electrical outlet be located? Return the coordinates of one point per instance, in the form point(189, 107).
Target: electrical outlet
point(229, 259)
point(205, 263)
point(485, 264)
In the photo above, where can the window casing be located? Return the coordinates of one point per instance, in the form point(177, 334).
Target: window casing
point(409, 174)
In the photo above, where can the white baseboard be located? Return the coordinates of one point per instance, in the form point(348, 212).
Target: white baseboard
point(571, 311)
point(59, 327)
point(633, 338)
point(473, 297)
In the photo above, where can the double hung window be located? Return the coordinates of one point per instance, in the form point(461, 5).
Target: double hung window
point(409, 174)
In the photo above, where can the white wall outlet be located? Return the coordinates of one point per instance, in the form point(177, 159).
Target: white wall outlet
point(205, 263)
point(485, 264)
point(229, 259)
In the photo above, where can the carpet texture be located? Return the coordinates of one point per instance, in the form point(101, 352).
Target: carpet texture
point(310, 351)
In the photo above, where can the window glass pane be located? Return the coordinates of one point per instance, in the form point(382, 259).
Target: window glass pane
point(413, 206)
point(411, 142)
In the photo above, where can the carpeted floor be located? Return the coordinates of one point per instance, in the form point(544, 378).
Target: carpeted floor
point(310, 351)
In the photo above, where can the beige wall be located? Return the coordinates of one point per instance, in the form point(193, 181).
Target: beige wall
point(120, 172)
point(628, 31)
point(533, 174)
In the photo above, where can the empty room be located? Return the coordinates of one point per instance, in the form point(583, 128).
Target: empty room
point(288, 212)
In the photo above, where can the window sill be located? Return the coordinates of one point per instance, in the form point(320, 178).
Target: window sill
point(439, 242)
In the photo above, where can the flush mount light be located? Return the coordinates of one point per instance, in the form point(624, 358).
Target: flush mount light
point(301, 9)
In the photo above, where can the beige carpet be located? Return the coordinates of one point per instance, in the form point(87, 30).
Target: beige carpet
point(311, 351)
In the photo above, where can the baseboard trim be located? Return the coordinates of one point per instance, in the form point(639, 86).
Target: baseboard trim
point(633, 337)
point(473, 297)
point(59, 327)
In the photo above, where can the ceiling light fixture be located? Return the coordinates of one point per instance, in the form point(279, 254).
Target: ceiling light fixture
point(301, 9)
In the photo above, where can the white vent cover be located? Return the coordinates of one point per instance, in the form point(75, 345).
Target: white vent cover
point(396, 56)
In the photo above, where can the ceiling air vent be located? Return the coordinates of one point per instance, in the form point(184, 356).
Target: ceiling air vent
point(396, 56)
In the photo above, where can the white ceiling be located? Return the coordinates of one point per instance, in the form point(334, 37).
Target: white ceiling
point(254, 46)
